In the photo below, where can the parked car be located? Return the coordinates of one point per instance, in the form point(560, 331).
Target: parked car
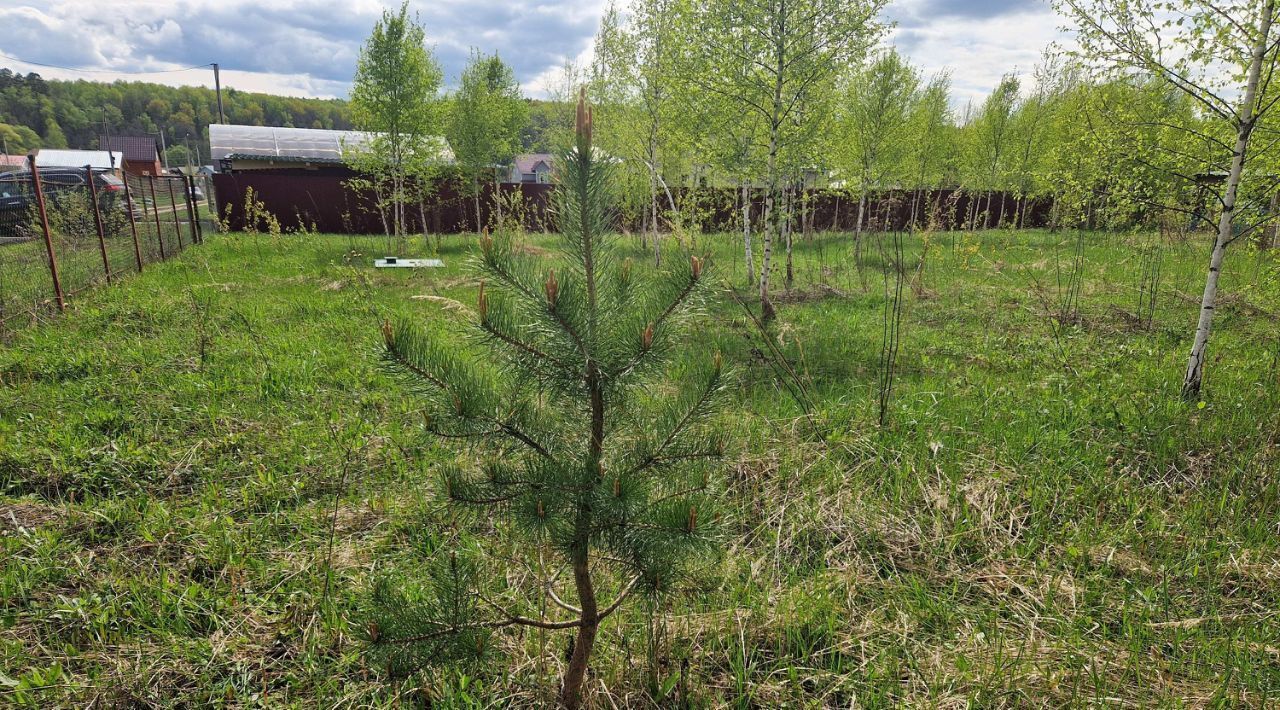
point(17, 202)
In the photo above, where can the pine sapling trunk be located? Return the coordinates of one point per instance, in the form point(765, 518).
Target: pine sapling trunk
point(1194, 377)
point(584, 643)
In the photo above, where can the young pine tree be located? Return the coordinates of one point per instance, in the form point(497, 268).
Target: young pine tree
point(595, 445)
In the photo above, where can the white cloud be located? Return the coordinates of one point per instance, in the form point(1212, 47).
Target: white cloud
point(975, 47)
point(309, 47)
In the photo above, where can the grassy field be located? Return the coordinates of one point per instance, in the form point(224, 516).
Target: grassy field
point(190, 458)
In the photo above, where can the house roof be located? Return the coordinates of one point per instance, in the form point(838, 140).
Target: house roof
point(104, 159)
point(307, 145)
point(528, 162)
point(139, 148)
point(7, 159)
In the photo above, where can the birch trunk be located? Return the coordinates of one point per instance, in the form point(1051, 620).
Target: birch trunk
point(1192, 381)
point(786, 232)
point(775, 128)
point(806, 213)
point(857, 231)
point(1268, 237)
point(770, 219)
point(497, 196)
point(746, 234)
point(653, 198)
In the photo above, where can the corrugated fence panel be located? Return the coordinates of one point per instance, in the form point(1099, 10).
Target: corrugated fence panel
point(328, 203)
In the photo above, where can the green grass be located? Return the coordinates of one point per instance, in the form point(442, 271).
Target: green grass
point(26, 284)
point(1042, 522)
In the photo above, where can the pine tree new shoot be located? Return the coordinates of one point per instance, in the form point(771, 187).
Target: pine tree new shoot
point(592, 428)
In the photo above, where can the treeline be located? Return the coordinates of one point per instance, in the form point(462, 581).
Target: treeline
point(1118, 151)
point(36, 112)
point(72, 114)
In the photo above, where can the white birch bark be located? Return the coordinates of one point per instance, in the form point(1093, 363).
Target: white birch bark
point(1194, 377)
point(746, 234)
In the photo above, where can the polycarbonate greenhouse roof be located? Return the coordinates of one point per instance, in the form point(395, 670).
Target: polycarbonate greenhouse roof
point(61, 158)
point(290, 144)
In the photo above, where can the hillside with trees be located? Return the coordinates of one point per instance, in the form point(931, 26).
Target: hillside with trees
point(61, 114)
point(36, 112)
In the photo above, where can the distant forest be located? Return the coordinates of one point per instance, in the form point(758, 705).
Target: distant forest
point(47, 113)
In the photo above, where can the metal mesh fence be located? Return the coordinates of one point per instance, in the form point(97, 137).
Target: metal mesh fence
point(65, 230)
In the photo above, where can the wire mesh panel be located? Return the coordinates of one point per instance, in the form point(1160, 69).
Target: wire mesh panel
point(66, 229)
point(26, 285)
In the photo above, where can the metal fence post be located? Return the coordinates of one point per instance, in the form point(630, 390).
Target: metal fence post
point(193, 210)
point(133, 225)
point(155, 210)
point(173, 203)
point(48, 238)
point(97, 221)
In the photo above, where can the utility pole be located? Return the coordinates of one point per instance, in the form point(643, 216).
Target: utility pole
point(106, 133)
point(217, 87)
point(164, 152)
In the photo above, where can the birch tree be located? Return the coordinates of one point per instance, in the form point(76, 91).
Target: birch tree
point(873, 121)
point(634, 76)
point(1220, 53)
point(485, 118)
point(395, 96)
point(1031, 122)
point(931, 139)
point(992, 133)
point(768, 58)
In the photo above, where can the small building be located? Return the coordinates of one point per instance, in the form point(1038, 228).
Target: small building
point(63, 158)
point(531, 167)
point(141, 153)
point(9, 161)
point(235, 148)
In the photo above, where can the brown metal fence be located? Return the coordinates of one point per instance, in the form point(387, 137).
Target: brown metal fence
point(64, 230)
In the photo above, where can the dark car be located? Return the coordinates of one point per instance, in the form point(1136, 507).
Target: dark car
point(17, 204)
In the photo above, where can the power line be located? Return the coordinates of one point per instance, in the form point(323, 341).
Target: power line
point(101, 71)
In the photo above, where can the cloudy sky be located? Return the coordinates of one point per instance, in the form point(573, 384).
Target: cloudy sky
point(309, 47)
